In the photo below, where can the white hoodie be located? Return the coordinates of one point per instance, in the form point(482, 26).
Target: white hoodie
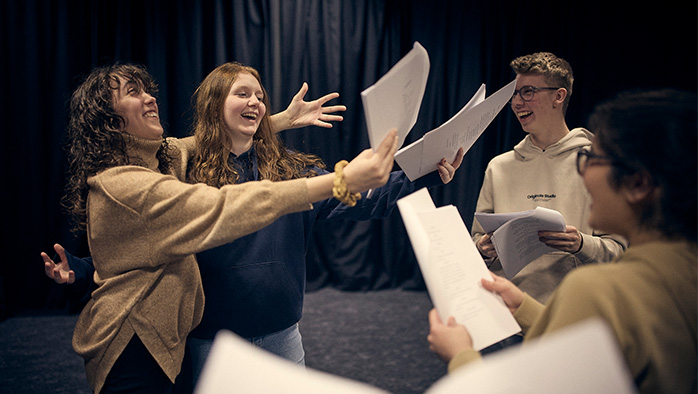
point(527, 177)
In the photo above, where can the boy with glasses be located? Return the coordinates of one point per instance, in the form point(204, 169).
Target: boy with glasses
point(541, 171)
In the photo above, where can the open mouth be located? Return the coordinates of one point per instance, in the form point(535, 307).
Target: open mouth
point(151, 114)
point(250, 115)
point(524, 114)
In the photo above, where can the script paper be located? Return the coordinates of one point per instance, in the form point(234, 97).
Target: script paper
point(452, 269)
point(394, 101)
point(581, 359)
point(461, 131)
point(515, 236)
point(236, 366)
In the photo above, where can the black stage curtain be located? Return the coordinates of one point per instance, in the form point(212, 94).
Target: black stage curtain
point(334, 45)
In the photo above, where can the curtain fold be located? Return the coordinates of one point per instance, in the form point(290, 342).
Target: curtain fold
point(334, 45)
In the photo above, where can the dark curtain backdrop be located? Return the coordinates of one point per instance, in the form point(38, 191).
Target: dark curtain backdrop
point(334, 45)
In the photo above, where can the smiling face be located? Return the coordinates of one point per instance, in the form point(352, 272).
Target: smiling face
point(610, 209)
point(543, 112)
point(139, 110)
point(243, 110)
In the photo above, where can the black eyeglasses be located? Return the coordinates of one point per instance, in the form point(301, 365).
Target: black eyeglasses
point(584, 157)
point(527, 92)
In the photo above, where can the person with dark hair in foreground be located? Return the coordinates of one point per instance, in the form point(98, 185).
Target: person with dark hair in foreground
point(641, 175)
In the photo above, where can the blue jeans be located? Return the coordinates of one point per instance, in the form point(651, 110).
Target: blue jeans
point(286, 343)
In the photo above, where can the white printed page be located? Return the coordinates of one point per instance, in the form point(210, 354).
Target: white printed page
point(517, 242)
point(410, 208)
point(492, 221)
point(410, 157)
point(394, 101)
point(236, 366)
point(461, 131)
point(582, 359)
point(457, 264)
point(452, 269)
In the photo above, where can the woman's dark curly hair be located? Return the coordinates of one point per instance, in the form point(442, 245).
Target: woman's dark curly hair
point(655, 133)
point(211, 164)
point(95, 137)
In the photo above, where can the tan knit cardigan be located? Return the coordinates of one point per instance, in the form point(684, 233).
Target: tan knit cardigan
point(648, 298)
point(143, 231)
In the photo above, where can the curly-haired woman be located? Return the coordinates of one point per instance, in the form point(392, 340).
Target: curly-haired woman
point(144, 226)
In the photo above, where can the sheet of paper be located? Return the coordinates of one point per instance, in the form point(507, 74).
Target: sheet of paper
point(452, 269)
point(236, 366)
point(517, 242)
point(410, 206)
point(461, 131)
point(394, 101)
point(410, 157)
point(581, 359)
point(492, 221)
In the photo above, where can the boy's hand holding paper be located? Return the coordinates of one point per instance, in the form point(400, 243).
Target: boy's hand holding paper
point(394, 102)
point(515, 236)
point(461, 131)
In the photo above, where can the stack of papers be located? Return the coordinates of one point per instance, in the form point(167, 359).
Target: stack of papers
point(394, 101)
point(581, 359)
point(515, 235)
point(452, 269)
point(461, 131)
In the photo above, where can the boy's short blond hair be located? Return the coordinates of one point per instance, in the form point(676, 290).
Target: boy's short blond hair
point(557, 71)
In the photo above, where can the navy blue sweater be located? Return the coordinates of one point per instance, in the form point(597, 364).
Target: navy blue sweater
point(255, 285)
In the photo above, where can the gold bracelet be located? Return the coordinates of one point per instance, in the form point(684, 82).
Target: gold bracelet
point(340, 190)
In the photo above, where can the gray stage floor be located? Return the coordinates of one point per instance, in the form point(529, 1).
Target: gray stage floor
point(378, 338)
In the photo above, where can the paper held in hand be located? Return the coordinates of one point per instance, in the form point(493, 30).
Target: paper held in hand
point(579, 359)
point(452, 269)
point(515, 235)
point(234, 365)
point(583, 358)
point(394, 101)
point(461, 131)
